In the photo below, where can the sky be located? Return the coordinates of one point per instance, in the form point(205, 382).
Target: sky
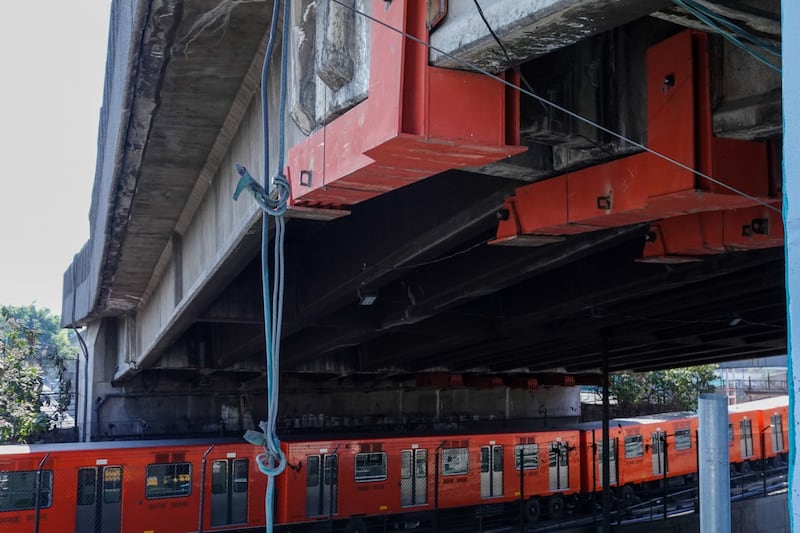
point(52, 54)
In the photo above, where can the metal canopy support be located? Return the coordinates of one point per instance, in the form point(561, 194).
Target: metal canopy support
point(715, 474)
point(791, 217)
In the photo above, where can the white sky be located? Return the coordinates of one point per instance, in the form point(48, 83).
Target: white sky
point(52, 54)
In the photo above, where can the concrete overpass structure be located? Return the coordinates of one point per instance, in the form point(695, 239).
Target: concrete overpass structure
point(408, 173)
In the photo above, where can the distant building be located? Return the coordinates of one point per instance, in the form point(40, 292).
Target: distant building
point(753, 379)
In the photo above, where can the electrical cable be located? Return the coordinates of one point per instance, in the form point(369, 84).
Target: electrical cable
point(761, 43)
point(561, 108)
point(275, 203)
point(708, 17)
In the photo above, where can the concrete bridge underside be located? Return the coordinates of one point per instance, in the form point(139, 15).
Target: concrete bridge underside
point(168, 284)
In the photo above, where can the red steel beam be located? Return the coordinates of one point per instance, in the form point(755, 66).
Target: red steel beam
point(417, 121)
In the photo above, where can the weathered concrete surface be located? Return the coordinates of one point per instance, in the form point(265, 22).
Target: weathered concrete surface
point(527, 28)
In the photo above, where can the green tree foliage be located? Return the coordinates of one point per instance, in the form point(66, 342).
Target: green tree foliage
point(31, 339)
point(662, 390)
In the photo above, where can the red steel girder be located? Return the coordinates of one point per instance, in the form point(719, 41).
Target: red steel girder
point(417, 121)
point(684, 238)
point(645, 187)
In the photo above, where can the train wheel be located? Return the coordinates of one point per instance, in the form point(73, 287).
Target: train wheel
point(356, 525)
point(627, 496)
point(555, 507)
point(532, 510)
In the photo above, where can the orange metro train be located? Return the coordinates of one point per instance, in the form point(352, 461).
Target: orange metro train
point(199, 486)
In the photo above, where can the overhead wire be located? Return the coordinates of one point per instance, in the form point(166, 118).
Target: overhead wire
point(475, 68)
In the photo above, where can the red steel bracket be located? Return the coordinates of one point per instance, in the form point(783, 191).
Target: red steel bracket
point(644, 187)
point(417, 121)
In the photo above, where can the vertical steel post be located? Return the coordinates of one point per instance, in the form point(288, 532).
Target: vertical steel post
point(606, 444)
point(714, 468)
point(791, 219)
point(594, 478)
point(521, 488)
point(37, 496)
point(203, 489)
point(664, 470)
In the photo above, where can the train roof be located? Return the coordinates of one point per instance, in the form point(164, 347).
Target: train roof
point(757, 405)
point(11, 449)
point(637, 420)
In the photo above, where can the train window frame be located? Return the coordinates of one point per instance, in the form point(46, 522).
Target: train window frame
point(458, 456)
point(529, 452)
point(7, 491)
point(634, 446)
point(370, 470)
point(180, 493)
point(776, 421)
point(683, 439)
point(730, 433)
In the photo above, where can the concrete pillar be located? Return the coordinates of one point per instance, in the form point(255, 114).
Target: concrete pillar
point(714, 467)
point(791, 217)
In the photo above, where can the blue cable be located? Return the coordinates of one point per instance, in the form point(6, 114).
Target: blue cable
point(273, 461)
point(731, 38)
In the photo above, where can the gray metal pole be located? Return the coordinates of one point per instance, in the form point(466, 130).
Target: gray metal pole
point(715, 473)
point(606, 443)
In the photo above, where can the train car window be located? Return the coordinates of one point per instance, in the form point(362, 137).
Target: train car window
point(112, 484)
point(18, 490)
point(370, 466)
point(405, 464)
point(168, 480)
point(530, 456)
point(87, 480)
point(777, 432)
point(730, 432)
point(240, 468)
point(455, 461)
point(497, 459)
point(312, 466)
point(331, 470)
point(683, 439)
point(219, 477)
point(634, 446)
point(484, 459)
point(422, 463)
point(746, 437)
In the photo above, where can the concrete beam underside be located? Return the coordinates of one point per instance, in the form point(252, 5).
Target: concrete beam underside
point(527, 28)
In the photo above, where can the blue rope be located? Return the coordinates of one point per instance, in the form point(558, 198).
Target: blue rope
point(273, 461)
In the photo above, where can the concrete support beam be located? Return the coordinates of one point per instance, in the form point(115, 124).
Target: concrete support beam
point(527, 28)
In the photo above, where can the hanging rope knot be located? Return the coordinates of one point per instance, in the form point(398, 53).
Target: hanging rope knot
point(273, 461)
point(274, 204)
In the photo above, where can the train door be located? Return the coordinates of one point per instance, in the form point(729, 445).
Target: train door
point(658, 448)
point(99, 508)
point(413, 477)
point(491, 471)
point(322, 486)
point(559, 466)
point(229, 492)
point(746, 437)
point(612, 462)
